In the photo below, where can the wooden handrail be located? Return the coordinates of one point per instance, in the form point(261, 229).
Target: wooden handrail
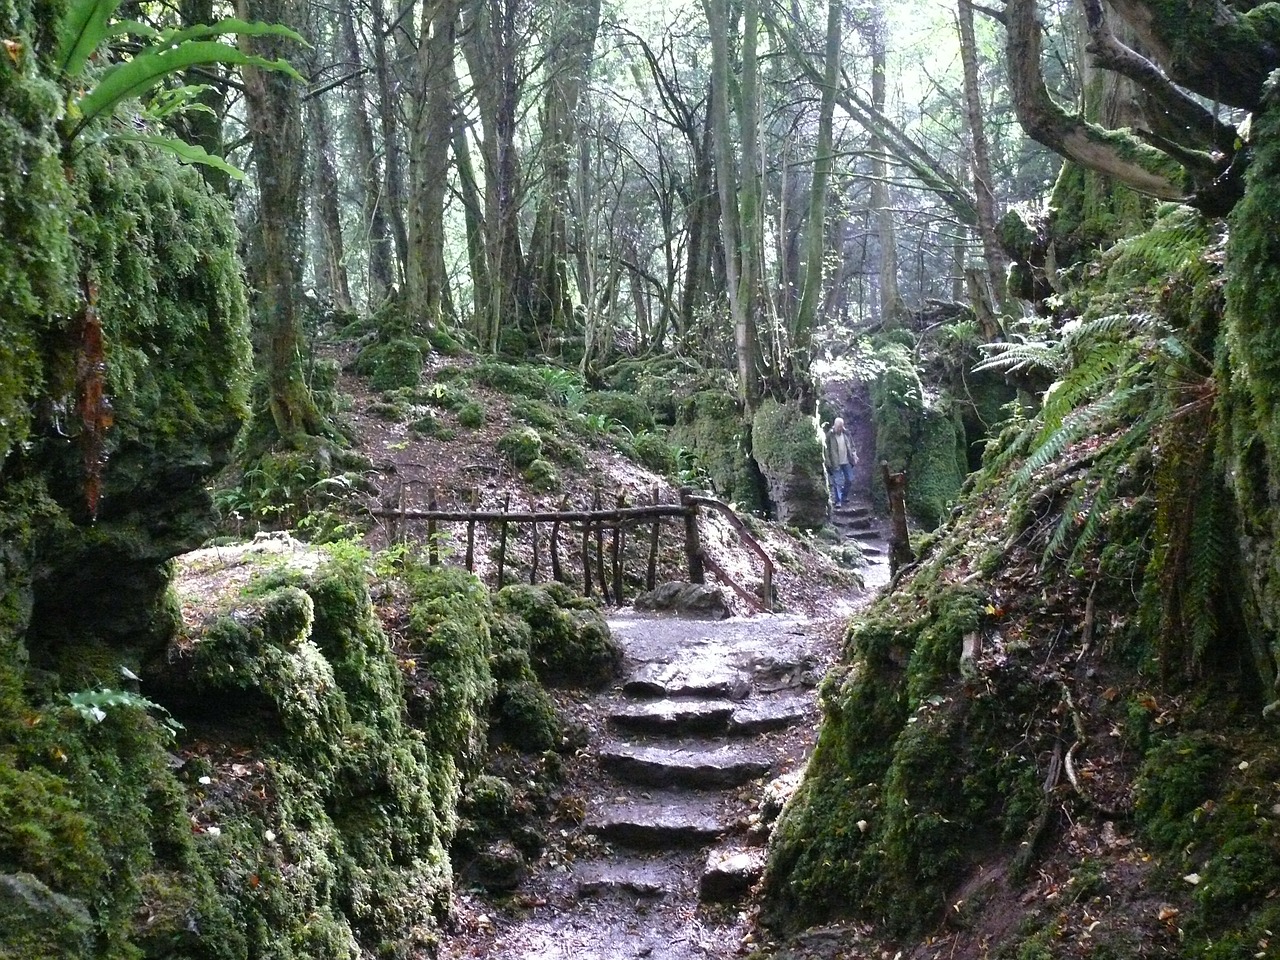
point(748, 539)
point(538, 516)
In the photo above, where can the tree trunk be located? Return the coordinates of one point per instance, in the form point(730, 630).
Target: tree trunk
point(430, 134)
point(368, 179)
point(892, 309)
point(736, 221)
point(390, 80)
point(274, 113)
point(572, 37)
point(491, 47)
point(332, 260)
point(815, 241)
point(983, 194)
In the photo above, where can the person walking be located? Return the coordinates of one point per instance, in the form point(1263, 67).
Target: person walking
point(840, 460)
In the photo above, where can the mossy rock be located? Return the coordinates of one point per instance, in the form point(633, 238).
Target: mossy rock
point(655, 452)
point(570, 643)
point(537, 413)
point(390, 412)
point(524, 716)
point(788, 448)
point(392, 365)
point(627, 409)
point(426, 425)
point(542, 476)
point(522, 446)
point(711, 427)
point(522, 381)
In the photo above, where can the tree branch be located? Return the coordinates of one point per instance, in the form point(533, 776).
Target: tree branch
point(1113, 153)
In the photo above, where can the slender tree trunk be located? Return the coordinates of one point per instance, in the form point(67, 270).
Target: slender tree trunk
point(490, 45)
point(573, 30)
point(982, 177)
point(203, 128)
point(815, 240)
point(274, 113)
point(430, 133)
point(892, 309)
point(473, 217)
point(324, 181)
point(390, 80)
point(368, 178)
point(736, 221)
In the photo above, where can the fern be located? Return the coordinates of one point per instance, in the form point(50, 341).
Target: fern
point(93, 706)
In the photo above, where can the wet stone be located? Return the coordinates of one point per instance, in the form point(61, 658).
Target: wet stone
point(730, 873)
point(657, 823)
point(499, 867)
point(697, 679)
point(674, 716)
point(697, 601)
point(760, 714)
point(634, 878)
point(700, 768)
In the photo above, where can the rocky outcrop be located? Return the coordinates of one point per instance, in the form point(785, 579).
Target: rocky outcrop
point(787, 445)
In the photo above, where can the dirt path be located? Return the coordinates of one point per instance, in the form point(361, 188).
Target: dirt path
point(710, 721)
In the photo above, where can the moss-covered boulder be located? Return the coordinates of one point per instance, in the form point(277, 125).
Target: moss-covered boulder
point(521, 445)
point(788, 447)
point(569, 643)
point(714, 436)
point(392, 365)
point(918, 431)
point(626, 408)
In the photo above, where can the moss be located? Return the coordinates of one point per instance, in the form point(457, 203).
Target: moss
point(426, 425)
point(391, 365)
point(536, 413)
point(569, 643)
point(654, 452)
point(786, 444)
point(508, 378)
point(471, 416)
point(522, 446)
point(627, 409)
point(710, 427)
point(542, 476)
point(391, 412)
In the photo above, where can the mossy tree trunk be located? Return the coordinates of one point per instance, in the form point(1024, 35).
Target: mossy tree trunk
point(286, 413)
point(367, 179)
point(571, 39)
point(892, 309)
point(430, 133)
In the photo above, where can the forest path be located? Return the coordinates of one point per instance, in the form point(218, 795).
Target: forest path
point(688, 757)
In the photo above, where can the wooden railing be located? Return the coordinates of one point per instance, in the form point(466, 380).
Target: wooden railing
point(595, 526)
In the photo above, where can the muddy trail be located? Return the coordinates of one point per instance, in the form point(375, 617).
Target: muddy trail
point(690, 756)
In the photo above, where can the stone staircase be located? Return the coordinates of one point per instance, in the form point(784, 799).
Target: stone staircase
point(856, 520)
point(696, 729)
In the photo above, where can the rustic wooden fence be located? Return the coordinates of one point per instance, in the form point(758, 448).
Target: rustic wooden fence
point(597, 526)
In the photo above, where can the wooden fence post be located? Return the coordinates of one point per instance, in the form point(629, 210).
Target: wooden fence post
point(471, 533)
point(586, 558)
point(895, 485)
point(556, 573)
point(433, 549)
point(604, 584)
point(533, 571)
point(502, 541)
point(652, 576)
point(619, 544)
point(692, 542)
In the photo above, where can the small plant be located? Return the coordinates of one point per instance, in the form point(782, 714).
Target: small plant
point(690, 471)
point(426, 425)
point(653, 450)
point(93, 706)
point(471, 416)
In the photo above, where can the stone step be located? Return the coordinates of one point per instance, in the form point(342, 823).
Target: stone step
point(627, 877)
point(852, 511)
point(760, 714)
point(700, 678)
point(666, 822)
point(730, 873)
point(857, 523)
point(673, 717)
point(702, 767)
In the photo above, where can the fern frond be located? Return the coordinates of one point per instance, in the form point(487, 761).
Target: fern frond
point(1012, 357)
point(1082, 383)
